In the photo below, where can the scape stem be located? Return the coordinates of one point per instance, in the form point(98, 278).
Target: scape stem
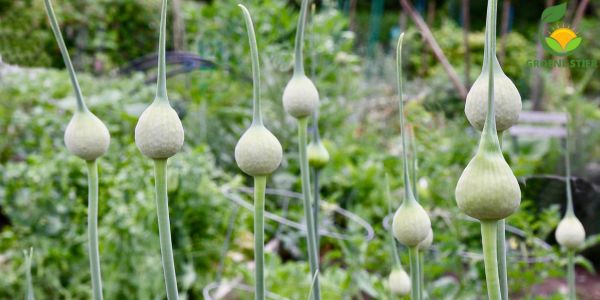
point(489, 230)
point(316, 204)
point(260, 183)
point(414, 273)
point(164, 230)
point(571, 274)
point(310, 234)
point(501, 248)
point(94, 253)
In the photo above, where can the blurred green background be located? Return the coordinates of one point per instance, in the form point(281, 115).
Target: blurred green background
point(350, 50)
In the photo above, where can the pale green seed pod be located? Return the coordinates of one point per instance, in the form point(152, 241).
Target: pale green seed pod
point(426, 243)
point(86, 136)
point(487, 188)
point(411, 223)
point(300, 97)
point(399, 282)
point(570, 233)
point(159, 132)
point(258, 152)
point(507, 100)
point(318, 156)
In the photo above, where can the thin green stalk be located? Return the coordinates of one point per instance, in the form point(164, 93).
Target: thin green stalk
point(570, 211)
point(489, 230)
point(92, 167)
point(388, 196)
point(256, 113)
point(298, 59)
point(161, 82)
point(81, 107)
point(571, 274)
point(260, 183)
point(501, 248)
point(316, 205)
point(414, 273)
point(29, 294)
point(421, 275)
point(164, 230)
point(310, 234)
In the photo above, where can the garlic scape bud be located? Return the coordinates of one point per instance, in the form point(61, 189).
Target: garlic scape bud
point(258, 152)
point(411, 223)
point(300, 96)
point(159, 133)
point(487, 188)
point(318, 156)
point(399, 282)
point(570, 232)
point(426, 243)
point(507, 99)
point(86, 135)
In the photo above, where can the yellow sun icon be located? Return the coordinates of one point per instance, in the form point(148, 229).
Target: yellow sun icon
point(563, 36)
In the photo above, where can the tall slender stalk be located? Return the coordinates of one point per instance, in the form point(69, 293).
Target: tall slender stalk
point(501, 249)
point(304, 170)
point(29, 294)
point(414, 271)
point(260, 183)
point(571, 274)
point(489, 230)
point(92, 167)
point(164, 230)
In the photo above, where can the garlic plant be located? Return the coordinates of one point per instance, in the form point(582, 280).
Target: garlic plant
point(159, 135)
point(398, 280)
point(487, 189)
point(318, 157)
point(411, 223)
point(88, 138)
point(570, 233)
point(258, 153)
point(300, 100)
point(507, 101)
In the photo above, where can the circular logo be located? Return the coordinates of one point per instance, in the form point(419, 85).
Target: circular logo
point(562, 41)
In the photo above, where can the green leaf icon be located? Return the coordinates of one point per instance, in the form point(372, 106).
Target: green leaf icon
point(554, 45)
point(573, 44)
point(554, 13)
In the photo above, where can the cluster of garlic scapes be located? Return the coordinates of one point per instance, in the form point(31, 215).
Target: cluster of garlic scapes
point(487, 188)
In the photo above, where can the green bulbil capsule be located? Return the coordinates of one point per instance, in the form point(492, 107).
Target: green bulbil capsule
point(426, 243)
point(159, 132)
point(258, 152)
point(570, 233)
point(318, 156)
point(86, 136)
point(411, 223)
point(300, 97)
point(399, 282)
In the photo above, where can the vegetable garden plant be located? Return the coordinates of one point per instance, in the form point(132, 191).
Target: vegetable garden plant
point(487, 189)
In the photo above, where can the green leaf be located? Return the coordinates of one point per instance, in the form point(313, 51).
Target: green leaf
point(573, 44)
point(554, 13)
point(554, 45)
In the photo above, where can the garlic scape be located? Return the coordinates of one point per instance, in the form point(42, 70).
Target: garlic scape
point(258, 153)
point(507, 100)
point(318, 156)
point(159, 135)
point(87, 137)
point(300, 96)
point(159, 132)
point(411, 223)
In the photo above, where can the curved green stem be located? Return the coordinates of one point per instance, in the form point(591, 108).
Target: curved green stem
point(571, 274)
point(161, 81)
point(310, 234)
point(408, 188)
point(414, 273)
point(260, 183)
point(489, 135)
point(256, 115)
point(298, 59)
point(65, 55)
point(164, 230)
point(92, 167)
point(489, 231)
point(413, 144)
point(570, 211)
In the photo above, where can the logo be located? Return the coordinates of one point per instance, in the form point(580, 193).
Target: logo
point(562, 40)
